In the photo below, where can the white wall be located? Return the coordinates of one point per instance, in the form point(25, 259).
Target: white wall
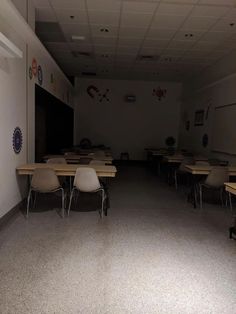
point(127, 126)
point(17, 101)
point(214, 87)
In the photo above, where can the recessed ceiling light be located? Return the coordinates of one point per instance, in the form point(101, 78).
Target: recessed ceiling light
point(104, 30)
point(77, 37)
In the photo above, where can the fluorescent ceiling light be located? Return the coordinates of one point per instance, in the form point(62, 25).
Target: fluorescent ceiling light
point(8, 49)
point(76, 37)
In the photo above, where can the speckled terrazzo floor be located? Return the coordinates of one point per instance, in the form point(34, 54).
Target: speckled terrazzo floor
point(153, 254)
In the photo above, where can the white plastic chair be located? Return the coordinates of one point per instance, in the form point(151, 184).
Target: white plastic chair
point(215, 181)
point(45, 180)
point(86, 180)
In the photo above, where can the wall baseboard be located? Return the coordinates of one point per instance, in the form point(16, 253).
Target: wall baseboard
point(9, 217)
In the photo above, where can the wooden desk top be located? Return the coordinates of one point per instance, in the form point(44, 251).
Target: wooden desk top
point(230, 187)
point(205, 170)
point(67, 169)
point(180, 158)
point(76, 158)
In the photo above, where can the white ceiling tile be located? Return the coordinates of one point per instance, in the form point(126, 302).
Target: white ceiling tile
point(64, 16)
point(75, 29)
point(57, 46)
point(104, 5)
point(45, 15)
point(158, 33)
point(168, 21)
point(217, 2)
point(41, 4)
point(199, 23)
point(78, 47)
point(174, 52)
point(130, 41)
point(68, 4)
point(159, 43)
point(174, 9)
point(150, 51)
point(127, 49)
point(182, 1)
point(212, 11)
point(135, 19)
point(104, 17)
point(104, 49)
point(107, 41)
point(142, 7)
point(135, 32)
point(180, 44)
point(224, 25)
point(204, 45)
point(97, 30)
point(216, 36)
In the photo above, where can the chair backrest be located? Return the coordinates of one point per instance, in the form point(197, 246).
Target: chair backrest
point(44, 180)
point(186, 161)
point(86, 180)
point(97, 162)
point(217, 177)
point(202, 163)
point(59, 160)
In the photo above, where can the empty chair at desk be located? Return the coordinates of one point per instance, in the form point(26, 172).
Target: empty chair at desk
point(214, 181)
point(45, 180)
point(86, 180)
point(181, 170)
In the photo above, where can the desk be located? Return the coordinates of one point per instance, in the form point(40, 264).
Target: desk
point(180, 158)
point(67, 169)
point(205, 170)
point(202, 170)
point(73, 158)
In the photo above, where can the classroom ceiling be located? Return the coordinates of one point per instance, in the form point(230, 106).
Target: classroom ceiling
point(136, 39)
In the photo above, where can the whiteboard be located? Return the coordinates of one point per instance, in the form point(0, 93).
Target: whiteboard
point(224, 129)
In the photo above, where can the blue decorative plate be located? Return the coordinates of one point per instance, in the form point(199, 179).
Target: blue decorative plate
point(17, 140)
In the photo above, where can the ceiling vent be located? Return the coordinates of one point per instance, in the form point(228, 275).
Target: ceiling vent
point(77, 54)
point(147, 58)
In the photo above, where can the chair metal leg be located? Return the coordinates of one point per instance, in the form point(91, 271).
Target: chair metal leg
point(200, 195)
point(63, 203)
point(230, 202)
point(71, 196)
point(28, 203)
point(176, 183)
point(103, 198)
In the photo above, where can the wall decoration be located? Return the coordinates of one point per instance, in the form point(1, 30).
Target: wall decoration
point(159, 93)
point(199, 117)
point(17, 140)
point(187, 125)
point(205, 140)
point(130, 98)
point(40, 75)
point(93, 92)
point(34, 67)
point(30, 73)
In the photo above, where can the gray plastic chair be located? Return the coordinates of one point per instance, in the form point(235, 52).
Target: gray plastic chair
point(215, 181)
point(45, 180)
point(86, 180)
